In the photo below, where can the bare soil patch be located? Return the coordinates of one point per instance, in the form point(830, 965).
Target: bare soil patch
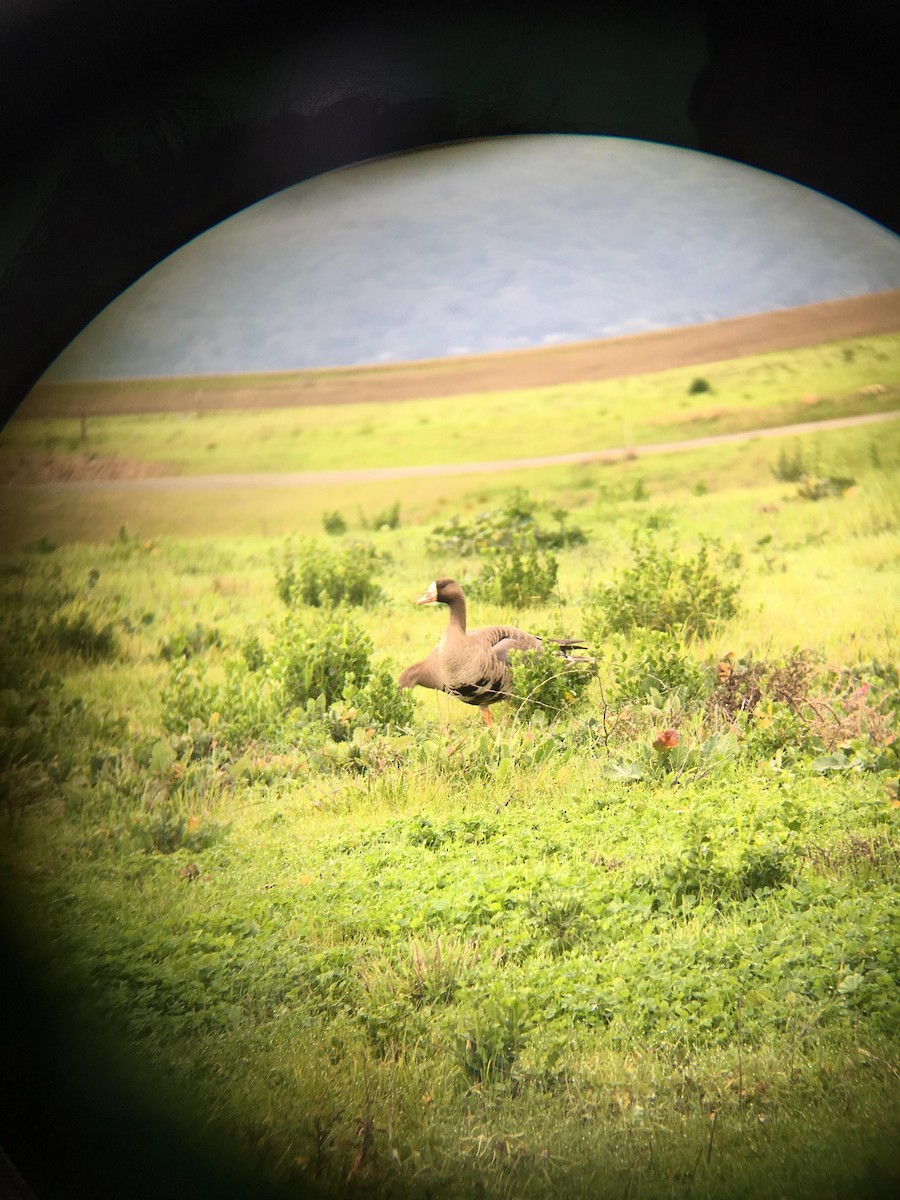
point(77, 468)
point(692, 345)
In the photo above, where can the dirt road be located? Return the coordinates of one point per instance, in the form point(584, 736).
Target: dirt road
point(189, 483)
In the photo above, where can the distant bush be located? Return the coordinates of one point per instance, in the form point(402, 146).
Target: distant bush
point(777, 728)
point(659, 518)
point(792, 465)
point(639, 490)
point(314, 685)
point(811, 487)
point(334, 523)
point(43, 545)
point(163, 832)
point(389, 518)
point(314, 575)
point(503, 528)
point(662, 590)
point(698, 386)
point(19, 667)
point(494, 1035)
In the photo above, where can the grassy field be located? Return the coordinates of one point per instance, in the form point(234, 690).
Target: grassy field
point(353, 942)
point(749, 393)
point(740, 474)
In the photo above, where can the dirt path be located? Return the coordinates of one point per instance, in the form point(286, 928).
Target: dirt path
point(189, 483)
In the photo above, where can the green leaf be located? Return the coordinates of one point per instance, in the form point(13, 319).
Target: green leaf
point(832, 762)
point(849, 984)
point(630, 772)
point(503, 768)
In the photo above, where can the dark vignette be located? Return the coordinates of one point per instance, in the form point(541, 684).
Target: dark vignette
point(128, 128)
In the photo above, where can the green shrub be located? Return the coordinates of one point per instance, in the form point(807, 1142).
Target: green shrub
point(375, 706)
point(519, 575)
point(653, 665)
point(795, 705)
point(669, 757)
point(320, 660)
point(43, 613)
point(315, 683)
point(698, 386)
point(253, 652)
point(380, 703)
point(658, 518)
point(639, 491)
point(777, 728)
point(316, 576)
point(188, 642)
point(162, 831)
point(247, 707)
point(665, 591)
point(38, 723)
point(19, 665)
point(188, 697)
point(77, 632)
point(493, 1035)
point(701, 871)
point(560, 921)
point(547, 683)
point(764, 867)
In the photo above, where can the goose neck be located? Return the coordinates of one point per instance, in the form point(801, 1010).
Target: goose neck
point(457, 606)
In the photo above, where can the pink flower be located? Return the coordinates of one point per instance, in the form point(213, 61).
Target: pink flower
point(667, 739)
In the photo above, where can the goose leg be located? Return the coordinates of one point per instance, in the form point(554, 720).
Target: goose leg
point(486, 715)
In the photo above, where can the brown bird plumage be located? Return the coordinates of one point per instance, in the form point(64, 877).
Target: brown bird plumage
point(472, 665)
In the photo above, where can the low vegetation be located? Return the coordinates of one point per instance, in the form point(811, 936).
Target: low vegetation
point(638, 938)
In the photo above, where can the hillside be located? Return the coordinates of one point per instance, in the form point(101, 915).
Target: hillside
point(610, 358)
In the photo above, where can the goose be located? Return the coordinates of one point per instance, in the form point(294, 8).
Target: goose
point(473, 665)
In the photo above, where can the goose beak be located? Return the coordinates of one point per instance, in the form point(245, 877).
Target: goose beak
point(430, 596)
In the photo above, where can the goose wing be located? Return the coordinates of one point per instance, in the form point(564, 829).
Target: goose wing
point(501, 639)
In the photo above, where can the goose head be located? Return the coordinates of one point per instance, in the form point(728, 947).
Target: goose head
point(442, 591)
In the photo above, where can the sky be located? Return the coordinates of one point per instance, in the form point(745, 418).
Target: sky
point(485, 246)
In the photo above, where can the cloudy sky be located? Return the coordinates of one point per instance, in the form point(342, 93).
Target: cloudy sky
point(491, 245)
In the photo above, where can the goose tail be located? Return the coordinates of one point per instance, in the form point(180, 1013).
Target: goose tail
point(566, 645)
